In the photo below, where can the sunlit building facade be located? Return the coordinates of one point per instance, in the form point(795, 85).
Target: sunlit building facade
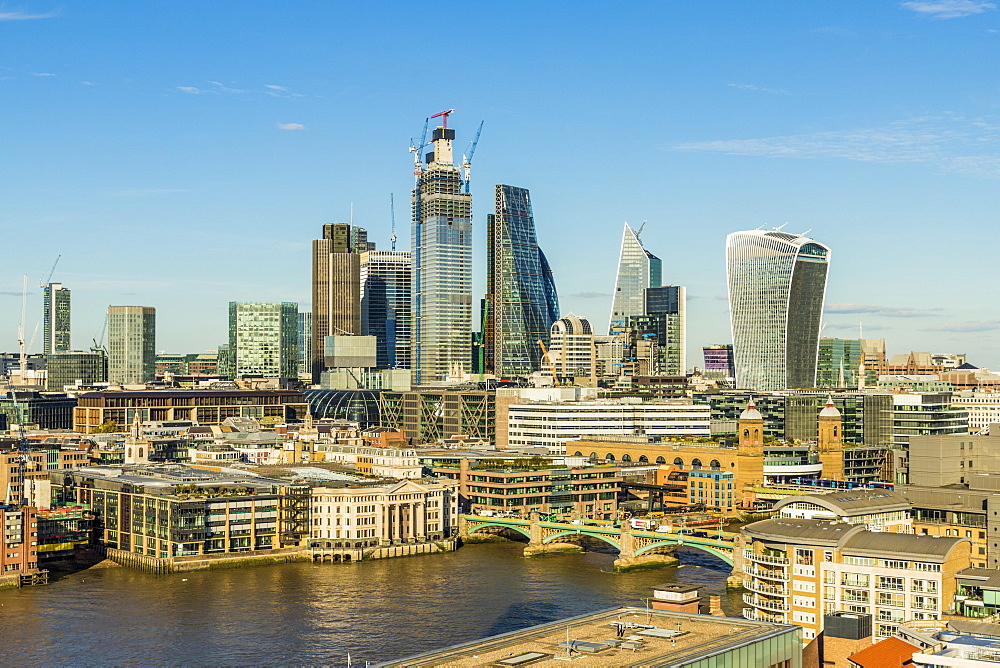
point(441, 243)
point(56, 318)
point(777, 284)
point(131, 344)
point(521, 302)
point(638, 269)
point(263, 338)
point(386, 291)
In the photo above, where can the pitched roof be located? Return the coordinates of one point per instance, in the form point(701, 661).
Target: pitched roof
point(889, 653)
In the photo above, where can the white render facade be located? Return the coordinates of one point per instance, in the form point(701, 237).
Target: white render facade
point(401, 512)
point(552, 424)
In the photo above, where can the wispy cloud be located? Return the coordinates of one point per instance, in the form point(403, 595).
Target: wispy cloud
point(25, 16)
point(969, 326)
point(215, 89)
point(290, 126)
point(219, 88)
point(41, 74)
point(872, 309)
point(223, 88)
point(590, 295)
point(88, 83)
point(853, 327)
point(759, 89)
point(274, 90)
point(948, 9)
point(11, 293)
point(950, 142)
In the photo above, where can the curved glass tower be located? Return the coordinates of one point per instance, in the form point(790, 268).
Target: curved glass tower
point(638, 269)
point(777, 283)
point(521, 302)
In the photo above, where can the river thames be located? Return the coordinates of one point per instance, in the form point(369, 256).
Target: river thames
point(315, 614)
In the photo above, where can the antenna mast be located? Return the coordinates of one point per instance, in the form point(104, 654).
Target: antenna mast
point(392, 214)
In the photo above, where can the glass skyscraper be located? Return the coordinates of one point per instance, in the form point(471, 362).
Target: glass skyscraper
point(56, 318)
point(638, 269)
point(263, 339)
point(777, 283)
point(521, 302)
point(131, 344)
point(441, 244)
point(665, 320)
point(385, 305)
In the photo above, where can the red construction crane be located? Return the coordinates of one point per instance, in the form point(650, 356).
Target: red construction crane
point(445, 114)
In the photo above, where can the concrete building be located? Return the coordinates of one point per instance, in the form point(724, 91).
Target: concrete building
point(552, 424)
point(383, 513)
point(206, 407)
point(952, 459)
point(399, 463)
point(983, 408)
point(521, 301)
point(571, 349)
point(875, 509)
point(798, 570)
point(777, 284)
point(263, 339)
point(161, 517)
point(638, 269)
point(56, 333)
point(336, 285)
point(631, 637)
point(131, 344)
point(960, 513)
point(441, 243)
point(18, 545)
point(386, 305)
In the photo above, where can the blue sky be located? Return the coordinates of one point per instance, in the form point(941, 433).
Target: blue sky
point(182, 155)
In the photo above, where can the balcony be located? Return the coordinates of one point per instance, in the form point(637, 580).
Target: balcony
point(771, 573)
point(763, 588)
point(765, 604)
point(750, 555)
point(759, 616)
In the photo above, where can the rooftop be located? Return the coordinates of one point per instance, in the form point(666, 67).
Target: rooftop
point(649, 638)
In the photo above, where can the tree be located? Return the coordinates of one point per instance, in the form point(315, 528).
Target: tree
point(109, 427)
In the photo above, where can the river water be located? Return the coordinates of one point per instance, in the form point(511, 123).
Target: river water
point(315, 614)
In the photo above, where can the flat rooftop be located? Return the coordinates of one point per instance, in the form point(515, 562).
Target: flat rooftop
point(655, 638)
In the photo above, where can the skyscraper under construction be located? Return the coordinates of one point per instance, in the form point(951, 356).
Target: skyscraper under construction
point(441, 244)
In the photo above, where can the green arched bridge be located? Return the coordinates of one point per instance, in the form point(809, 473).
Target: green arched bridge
point(632, 544)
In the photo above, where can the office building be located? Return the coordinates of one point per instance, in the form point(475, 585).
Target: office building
point(263, 339)
point(777, 283)
point(521, 302)
point(426, 416)
point(571, 348)
point(638, 269)
point(441, 243)
point(663, 324)
point(55, 318)
point(305, 344)
point(719, 362)
point(839, 363)
point(386, 302)
point(75, 368)
point(131, 344)
point(336, 286)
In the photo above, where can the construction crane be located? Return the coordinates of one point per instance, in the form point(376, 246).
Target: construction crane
point(392, 214)
point(22, 459)
point(51, 271)
point(467, 159)
point(552, 365)
point(445, 114)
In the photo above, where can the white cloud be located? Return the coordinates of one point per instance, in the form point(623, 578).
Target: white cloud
point(290, 126)
point(88, 83)
point(191, 90)
point(872, 309)
point(950, 142)
point(276, 87)
point(759, 89)
point(41, 74)
point(223, 88)
point(23, 16)
point(274, 90)
point(948, 9)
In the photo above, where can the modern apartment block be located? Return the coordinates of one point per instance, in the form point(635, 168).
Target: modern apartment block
point(56, 318)
point(131, 344)
point(336, 286)
point(386, 304)
point(798, 570)
point(441, 243)
point(521, 301)
point(777, 284)
point(552, 424)
point(169, 511)
point(638, 269)
point(263, 339)
point(18, 544)
point(381, 514)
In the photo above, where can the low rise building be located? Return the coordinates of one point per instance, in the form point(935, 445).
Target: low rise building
point(875, 509)
point(18, 544)
point(401, 463)
point(426, 415)
point(798, 570)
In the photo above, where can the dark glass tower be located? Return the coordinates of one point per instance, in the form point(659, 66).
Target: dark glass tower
point(56, 319)
point(521, 302)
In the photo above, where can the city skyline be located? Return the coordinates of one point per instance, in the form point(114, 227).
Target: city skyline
point(867, 136)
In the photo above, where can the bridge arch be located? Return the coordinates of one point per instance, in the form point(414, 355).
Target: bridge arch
point(562, 534)
point(524, 531)
point(714, 551)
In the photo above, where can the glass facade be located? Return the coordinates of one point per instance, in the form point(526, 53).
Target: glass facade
point(777, 283)
point(664, 322)
point(263, 339)
point(638, 269)
point(56, 318)
point(131, 344)
point(66, 368)
point(441, 244)
point(838, 363)
point(718, 361)
point(305, 343)
point(386, 292)
point(521, 302)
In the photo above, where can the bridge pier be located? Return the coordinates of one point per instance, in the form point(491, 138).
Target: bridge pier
point(735, 579)
point(627, 559)
point(536, 546)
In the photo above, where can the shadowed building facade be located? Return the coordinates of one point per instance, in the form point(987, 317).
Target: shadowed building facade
point(521, 301)
point(777, 284)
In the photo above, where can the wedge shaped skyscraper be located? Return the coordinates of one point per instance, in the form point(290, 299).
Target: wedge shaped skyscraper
point(638, 269)
point(521, 302)
point(777, 284)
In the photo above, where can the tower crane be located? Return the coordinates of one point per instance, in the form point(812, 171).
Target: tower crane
point(51, 271)
point(552, 365)
point(467, 159)
point(445, 114)
point(23, 459)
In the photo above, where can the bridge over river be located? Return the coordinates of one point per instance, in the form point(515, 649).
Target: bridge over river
point(635, 547)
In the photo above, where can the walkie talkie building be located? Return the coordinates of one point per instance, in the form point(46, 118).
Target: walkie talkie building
point(777, 283)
